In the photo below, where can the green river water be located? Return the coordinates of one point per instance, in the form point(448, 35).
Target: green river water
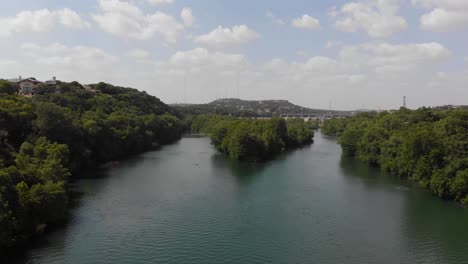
point(186, 203)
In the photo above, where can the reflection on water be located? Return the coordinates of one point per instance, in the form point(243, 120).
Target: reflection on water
point(370, 175)
point(435, 230)
point(186, 203)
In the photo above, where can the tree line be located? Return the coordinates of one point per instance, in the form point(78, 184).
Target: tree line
point(63, 129)
point(425, 145)
point(253, 139)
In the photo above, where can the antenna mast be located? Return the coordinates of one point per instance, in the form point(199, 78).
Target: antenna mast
point(237, 83)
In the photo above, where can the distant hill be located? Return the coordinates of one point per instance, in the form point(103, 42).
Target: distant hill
point(254, 108)
point(447, 107)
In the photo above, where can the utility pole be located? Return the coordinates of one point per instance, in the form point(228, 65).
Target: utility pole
point(237, 83)
point(185, 86)
point(404, 101)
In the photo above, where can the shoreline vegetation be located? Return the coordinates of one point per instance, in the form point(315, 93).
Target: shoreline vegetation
point(50, 138)
point(252, 139)
point(428, 146)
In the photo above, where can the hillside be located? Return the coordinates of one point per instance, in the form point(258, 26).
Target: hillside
point(254, 108)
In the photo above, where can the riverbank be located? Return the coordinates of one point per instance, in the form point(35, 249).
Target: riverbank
point(73, 199)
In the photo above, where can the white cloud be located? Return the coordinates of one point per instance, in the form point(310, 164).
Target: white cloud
point(443, 20)
point(378, 61)
point(301, 53)
point(306, 22)
point(138, 54)
point(320, 64)
point(59, 55)
point(274, 19)
point(403, 59)
point(316, 69)
point(356, 78)
point(84, 64)
point(41, 21)
point(159, 2)
point(332, 12)
point(199, 58)
point(206, 74)
point(378, 18)
point(126, 20)
point(81, 63)
point(445, 15)
point(450, 4)
point(71, 19)
point(331, 44)
point(227, 36)
point(187, 17)
point(409, 54)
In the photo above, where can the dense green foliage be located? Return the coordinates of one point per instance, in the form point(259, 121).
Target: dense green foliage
point(8, 87)
point(253, 139)
point(66, 128)
point(427, 146)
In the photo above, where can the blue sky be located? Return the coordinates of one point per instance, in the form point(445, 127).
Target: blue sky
point(354, 54)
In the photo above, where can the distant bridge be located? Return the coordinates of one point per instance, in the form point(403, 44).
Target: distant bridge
point(310, 117)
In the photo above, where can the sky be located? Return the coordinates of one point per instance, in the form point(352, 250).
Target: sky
point(336, 53)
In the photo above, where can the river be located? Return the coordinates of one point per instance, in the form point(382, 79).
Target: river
point(186, 203)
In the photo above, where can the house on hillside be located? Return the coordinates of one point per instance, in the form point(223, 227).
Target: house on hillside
point(51, 82)
point(27, 87)
point(91, 90)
